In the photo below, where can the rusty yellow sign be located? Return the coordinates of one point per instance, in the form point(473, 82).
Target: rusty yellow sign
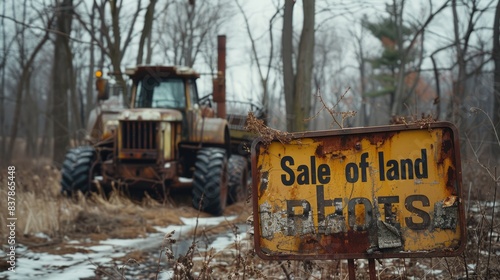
point(380, 192)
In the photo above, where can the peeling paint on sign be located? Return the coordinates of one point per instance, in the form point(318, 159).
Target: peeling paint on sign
point(445, 216)
point(380, 192)
point(388, 236)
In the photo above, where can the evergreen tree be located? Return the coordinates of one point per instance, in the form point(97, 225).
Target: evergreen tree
point(390, 67)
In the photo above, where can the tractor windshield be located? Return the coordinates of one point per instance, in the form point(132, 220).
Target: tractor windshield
point(161, 93)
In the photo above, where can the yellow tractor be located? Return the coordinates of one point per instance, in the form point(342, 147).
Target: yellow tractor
point(168, 139)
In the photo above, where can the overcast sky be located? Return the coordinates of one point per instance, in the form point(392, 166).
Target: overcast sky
point(333, 16)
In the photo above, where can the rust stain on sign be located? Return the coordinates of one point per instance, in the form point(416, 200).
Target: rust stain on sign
point(391, 191)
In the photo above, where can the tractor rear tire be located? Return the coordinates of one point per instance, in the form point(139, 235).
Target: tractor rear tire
point(210, 181)
point(238, 176)
point(76, 171)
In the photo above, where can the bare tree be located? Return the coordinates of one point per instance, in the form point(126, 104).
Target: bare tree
point(25, 64)
point(264, 69)
point(287, 60)
point(146, 33)
point(362, 60)
point(109, 39)
point(89, 93)
point(3, 62)
point(115, 47)
point(469, 58)
point(297, 80)
point(62, 76)
point(461, 47)
point(187, 30)
point(496, 76)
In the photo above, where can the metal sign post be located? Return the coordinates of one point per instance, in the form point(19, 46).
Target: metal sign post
point(370, 193)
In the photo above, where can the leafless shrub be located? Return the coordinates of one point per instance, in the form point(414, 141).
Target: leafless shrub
point(338, 117)
point(484, 234)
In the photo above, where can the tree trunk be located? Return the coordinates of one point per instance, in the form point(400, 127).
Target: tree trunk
point(90, 81)
point(496, 77)
point(62, 75)
point(43, 151)
point(146, 31)
point(76, 115)
point(28, 122)
point(287, 59)
point(297, 87)
point(6, 48)
point(363, 116)
point(302, 92)
point(398, 98)
point(458, 87)
point(116, 52)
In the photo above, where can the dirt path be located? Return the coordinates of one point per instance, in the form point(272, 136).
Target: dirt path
point(131, 244)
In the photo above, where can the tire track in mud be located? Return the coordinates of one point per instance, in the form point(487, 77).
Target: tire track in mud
point(99, 256)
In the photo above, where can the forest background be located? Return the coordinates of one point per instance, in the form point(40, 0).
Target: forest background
point(384, 60)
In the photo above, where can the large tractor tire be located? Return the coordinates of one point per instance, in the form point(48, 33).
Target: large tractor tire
point(76, 172)
point(238, 176)
point(210, 181)
point(67, 170)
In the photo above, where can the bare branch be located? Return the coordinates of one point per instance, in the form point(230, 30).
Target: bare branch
point(334, 113)
point(45, 29)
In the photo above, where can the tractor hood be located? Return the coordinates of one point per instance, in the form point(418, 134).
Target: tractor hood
point(149, 114)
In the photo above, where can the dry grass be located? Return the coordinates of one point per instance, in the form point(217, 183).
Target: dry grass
point(40, 208)
point(38, 204)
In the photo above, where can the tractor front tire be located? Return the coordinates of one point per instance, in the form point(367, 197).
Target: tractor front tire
point(238, 176)
point(76, 170)
point(210, 181)
point(67, 170)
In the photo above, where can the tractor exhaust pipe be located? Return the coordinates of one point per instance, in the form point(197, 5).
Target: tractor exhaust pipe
point(219, 83)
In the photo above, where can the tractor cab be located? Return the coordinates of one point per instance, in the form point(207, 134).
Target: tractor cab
point(168, 87)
